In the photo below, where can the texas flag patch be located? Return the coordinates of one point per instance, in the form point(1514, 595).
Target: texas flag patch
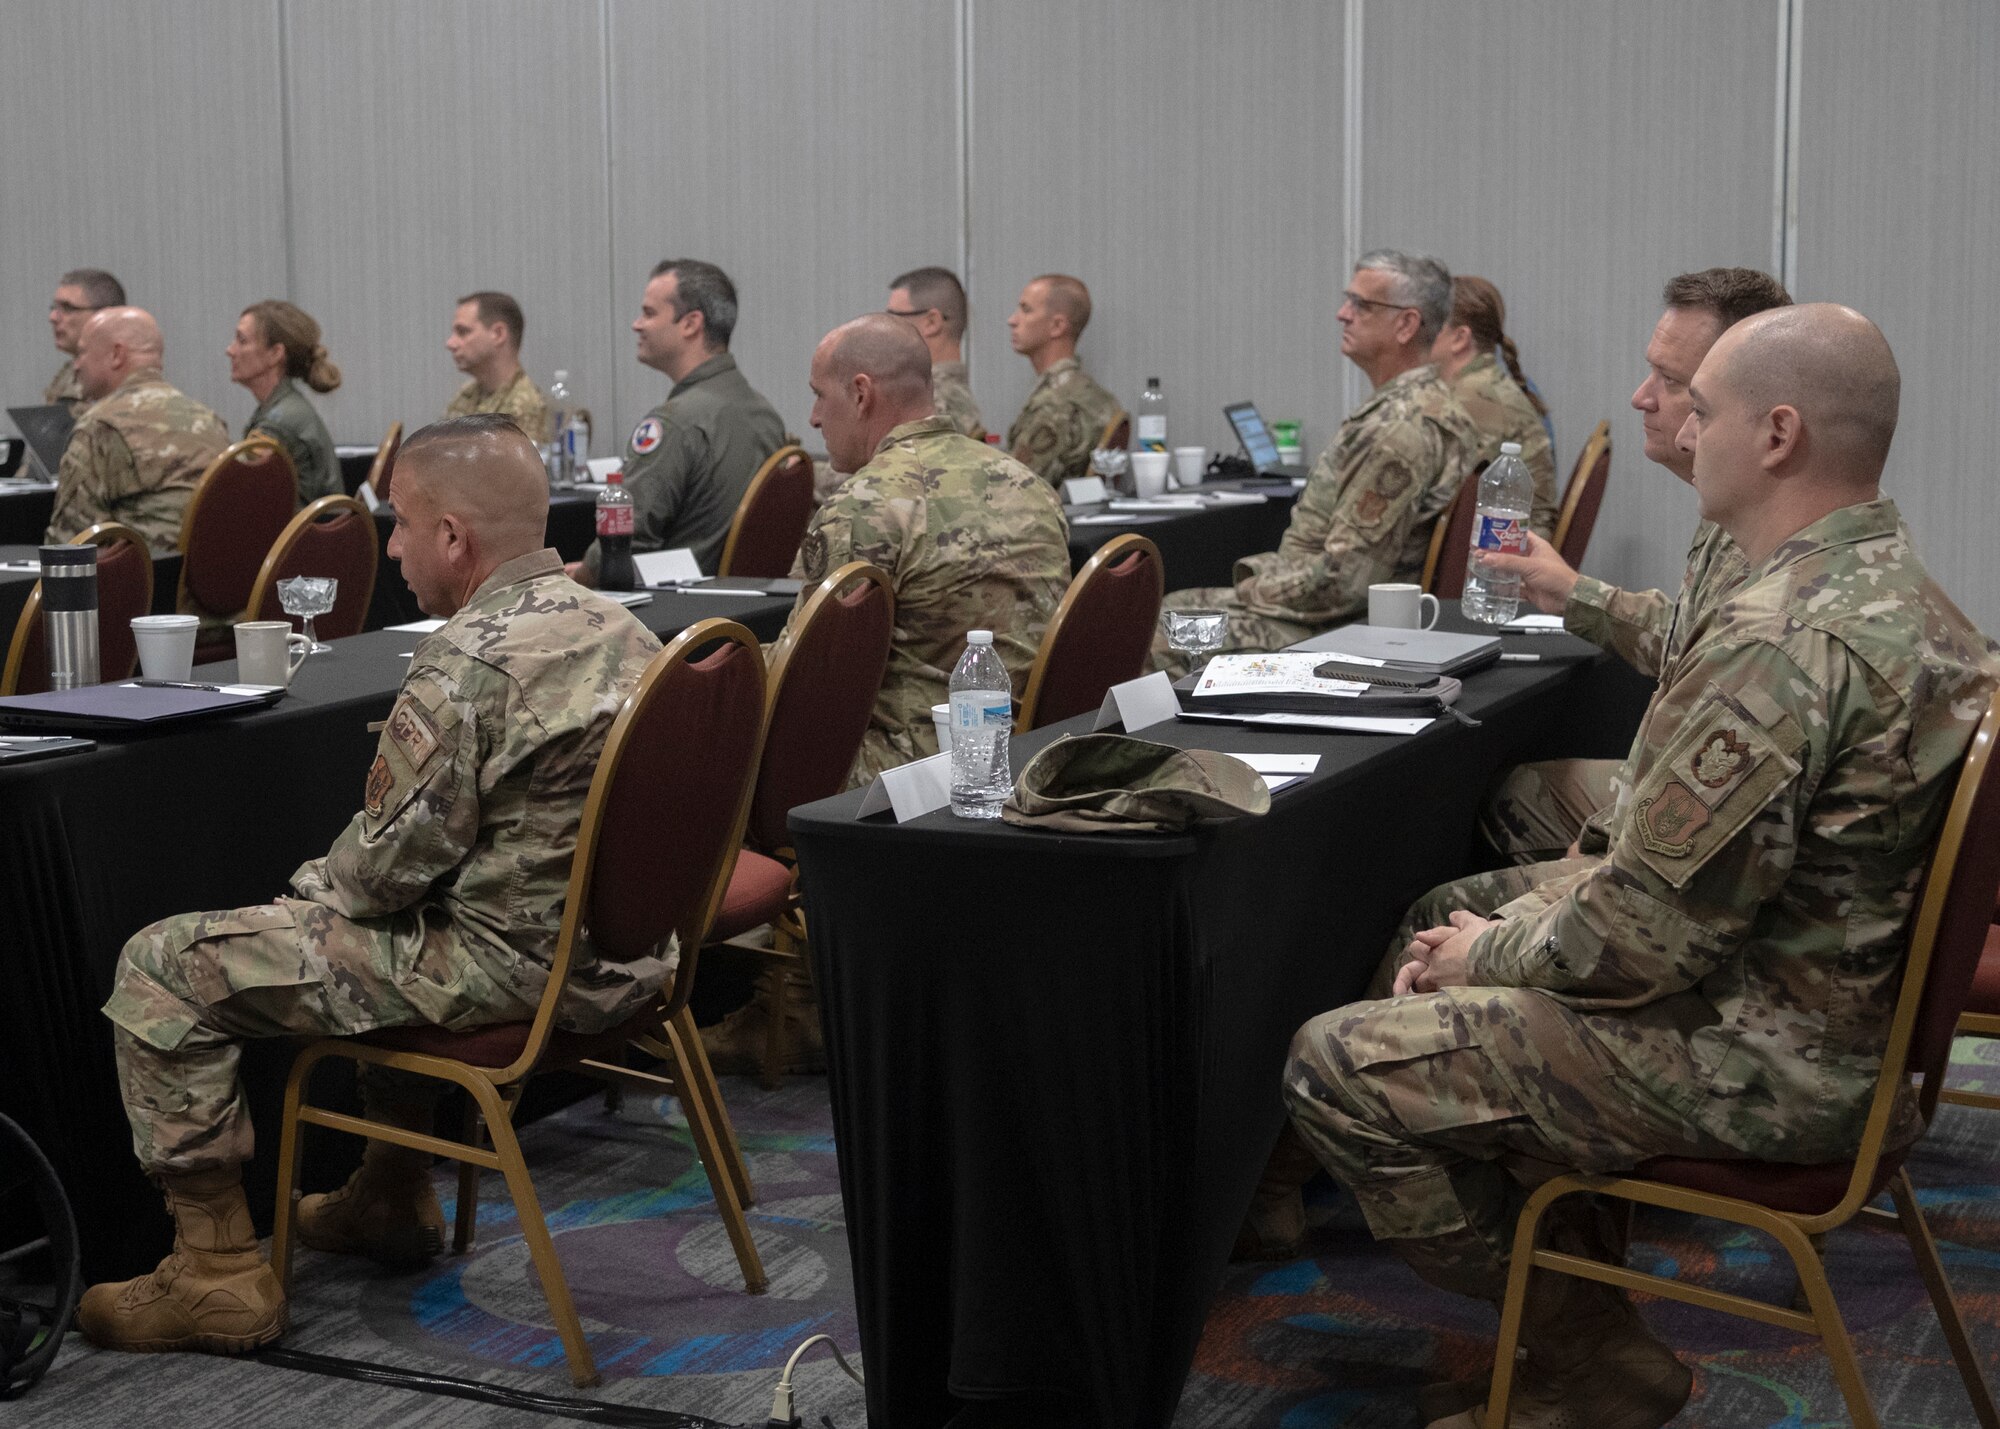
point(647, 435)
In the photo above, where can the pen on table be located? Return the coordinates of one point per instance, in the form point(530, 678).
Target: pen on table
point(707, 590)
point(1514, 659)
point(177, 685)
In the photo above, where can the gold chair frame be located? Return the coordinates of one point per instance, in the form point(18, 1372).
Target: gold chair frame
point(1798, 1234)
point(1468, 490)
point(385, 458)
point(493, 1093)
point(1107, 555)
point(104, 533)
point(254, 445)
point(764, 473)
point(1117, 432)
point(325, 506)
point(1598, 442)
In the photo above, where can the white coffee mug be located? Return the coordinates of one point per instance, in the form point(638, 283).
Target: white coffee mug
point(1397, 606)
point(166, 645)
point(1149, 472)
point(268, 652)
point(1189, 463)
point(941, 717)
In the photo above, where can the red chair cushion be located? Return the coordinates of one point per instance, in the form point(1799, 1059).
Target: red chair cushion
point(342, 546)
point(210, 649)
point(1448, 581)
point(770, 530)
point(493, 1046)
point(758, 892)
point(1985, 994)
point(1800, 1190)
point(241, 508)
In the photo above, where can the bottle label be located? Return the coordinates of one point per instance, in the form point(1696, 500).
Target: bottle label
point(982, 709)
point(1501, 533)
point(1153, 434)
point(614, 518)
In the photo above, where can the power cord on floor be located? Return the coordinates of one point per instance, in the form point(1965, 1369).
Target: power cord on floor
point(782, 1413)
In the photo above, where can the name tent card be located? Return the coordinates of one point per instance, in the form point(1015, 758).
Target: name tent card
point(1139, 704)
point(911, 790)
point(667, 567)
point(1084, 490)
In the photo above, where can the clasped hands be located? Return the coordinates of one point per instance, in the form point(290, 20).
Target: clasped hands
point(1437, 955)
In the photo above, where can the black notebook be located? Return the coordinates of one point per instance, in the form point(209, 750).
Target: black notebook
point(129, 706)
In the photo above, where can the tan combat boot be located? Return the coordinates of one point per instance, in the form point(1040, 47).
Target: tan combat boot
point(1274, 1228)
point(388, 1210)
point(735, 1045)
point(214, 1292)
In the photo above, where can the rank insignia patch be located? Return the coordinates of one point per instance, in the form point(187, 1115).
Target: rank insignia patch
point(411, 731)
point(380, 782)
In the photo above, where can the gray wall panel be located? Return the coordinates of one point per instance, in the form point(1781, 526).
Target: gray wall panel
point(164, 168)
point(1578, 155)
point(439, 148)
point(1898, 208)
point(811, 150)
point(1184, 160)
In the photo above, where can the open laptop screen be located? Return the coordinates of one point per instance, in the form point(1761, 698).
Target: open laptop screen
point(47, 430)
point(1258, 444)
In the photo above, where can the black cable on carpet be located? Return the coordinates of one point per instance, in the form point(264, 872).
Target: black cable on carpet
point(590, 1410)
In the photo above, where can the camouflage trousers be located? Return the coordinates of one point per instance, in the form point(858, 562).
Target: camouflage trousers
point(1539, 810)
point(1440, 1110)
point(887, 749)
point(188, 990)
point(1247, 633)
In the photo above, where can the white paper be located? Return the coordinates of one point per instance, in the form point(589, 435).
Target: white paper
point(1156, 503)
point(1234, 498)
point(20, 565)
point(667, 567)
point(1535, 622)
point(1139, 704)
point(1129, 520)
point(421, 627)
point(599, 468)
point(1354, 724)
point(911, 790)
point(1279, 763)
point(1275, 782)
point(368, 497)
point(1286, 672)
point(1084, 490)
point(628, 598)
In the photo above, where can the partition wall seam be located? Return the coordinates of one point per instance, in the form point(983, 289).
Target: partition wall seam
point(610, 208)
point(964, 83)
point(1351, 67)
point(285, 197)
point(1785, 157)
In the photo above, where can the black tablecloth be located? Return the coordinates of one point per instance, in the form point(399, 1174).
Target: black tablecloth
point(95, 846)
point(1197, 548)
point(15, 585)
point(1055, 1058)
point(24, 514)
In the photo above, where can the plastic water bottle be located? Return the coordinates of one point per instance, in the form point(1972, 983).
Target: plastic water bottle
point(982, 714)
point(1506, 497)
point(573, 437)
point(561, 400)
point(615, 570)
point(1152, 432)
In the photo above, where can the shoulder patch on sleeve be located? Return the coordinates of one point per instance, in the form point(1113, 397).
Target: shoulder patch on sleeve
point(411, 730)
point(380, 782)
point(647, 435)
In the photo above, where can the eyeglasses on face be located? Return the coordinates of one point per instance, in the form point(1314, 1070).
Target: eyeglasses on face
point(906, 312)
point(59, 306)
point(1350, 296)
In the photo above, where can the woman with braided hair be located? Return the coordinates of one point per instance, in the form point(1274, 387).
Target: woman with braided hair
point(276, 347)
point(1469, 351)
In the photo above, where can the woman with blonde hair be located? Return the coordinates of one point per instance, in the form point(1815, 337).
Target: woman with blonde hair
point(1468, 352)
point(276, 347)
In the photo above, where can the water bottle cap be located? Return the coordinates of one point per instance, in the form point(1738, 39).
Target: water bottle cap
point(979, 637)
point(562, 374)
point(1510, 449)
point(615, 476)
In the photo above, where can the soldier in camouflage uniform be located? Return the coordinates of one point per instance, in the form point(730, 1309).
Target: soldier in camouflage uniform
point(440, 904)
point(1541, 810)
point(485, 343)
point(277, 346)
point(1468, 353)
point(1368, 508)
point(933, 302)
point(1066, 414)
point(79, 293)
point(142, 445)
point(1721, 982)
point(64, 388)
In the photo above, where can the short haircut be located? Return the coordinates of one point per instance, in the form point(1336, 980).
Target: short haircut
point(702, 288)
point(100, 289)
point(1069, 297)
point(937, 288)
point(452, 429)
point(500, 308)
point(1729, 295)
point(1421, 282)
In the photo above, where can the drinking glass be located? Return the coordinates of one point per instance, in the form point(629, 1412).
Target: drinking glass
point(305, 597)
point(1196, 634)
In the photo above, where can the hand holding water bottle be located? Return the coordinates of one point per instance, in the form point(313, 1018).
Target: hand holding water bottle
point(1506, 497)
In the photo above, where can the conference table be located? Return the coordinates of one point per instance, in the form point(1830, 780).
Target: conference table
point(96, 845)
point(1055, 1058)
point(1197, 547)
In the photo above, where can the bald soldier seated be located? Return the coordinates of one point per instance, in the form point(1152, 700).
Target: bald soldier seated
point(1720, 982)
point(440, 904)
point(140, 448)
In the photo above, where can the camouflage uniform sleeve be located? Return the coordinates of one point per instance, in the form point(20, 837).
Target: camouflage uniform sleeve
point(96, 467)
point(530, 411)
point(848, 528)
point(1708, 838)
point(420, 806)
point(1043, 440)
point(1632, 625)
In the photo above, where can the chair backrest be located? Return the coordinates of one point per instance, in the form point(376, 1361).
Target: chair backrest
point(1583, 497)
point(1101, 634)
point(124, 590)
point(771, 518)
point(823, 687)
point(334, 536)
point(1117, 433)
point(240, 505)
point(1451, 540)
point(384, 466)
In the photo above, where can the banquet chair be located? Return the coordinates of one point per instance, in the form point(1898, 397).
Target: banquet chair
point(124, 590)
point(770, 520)
point(654, 850)
point(1981, 1017)
point(1583, 497)
point(1797, 1204)
point(1451, 540)
point(334, 536)
point(239, 506)
point(1117, 432)
point(823, 687)
point(384, 466)
point(1101, 634)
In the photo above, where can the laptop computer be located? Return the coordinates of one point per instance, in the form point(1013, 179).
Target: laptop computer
point(1421, 652)
point(47, 430)
point(1258, 443)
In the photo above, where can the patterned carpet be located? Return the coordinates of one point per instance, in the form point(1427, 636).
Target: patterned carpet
point(1341, 1339)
